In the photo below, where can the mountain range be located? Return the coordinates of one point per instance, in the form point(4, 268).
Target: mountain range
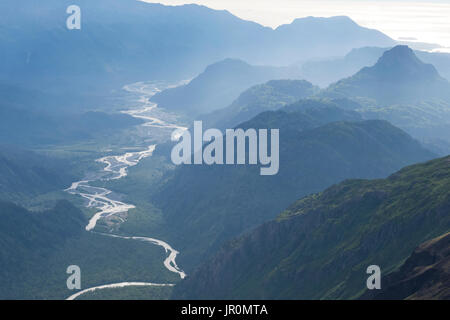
point(324, 72)
point(405, 91)
point(356, 185)
point(122, 41)
point(217, 86)
point(268, 96)
point(424, 275)
point(397, 77)
point(320, 247)
point(320, 144)
point(398, 87)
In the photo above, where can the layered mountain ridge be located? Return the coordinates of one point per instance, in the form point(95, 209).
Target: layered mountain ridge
point(397, 77)
point(320, 144)
point(320, 247)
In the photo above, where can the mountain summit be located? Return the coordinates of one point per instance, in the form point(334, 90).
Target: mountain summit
point(401, 63)
point(397, 77)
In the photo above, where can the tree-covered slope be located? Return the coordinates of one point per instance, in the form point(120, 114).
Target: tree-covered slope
point(328, 71)
point(37, 247)
point(320, 145)
point(271, 95)
point(33, 117)
point(30, 128)
point(324, 72)
point(25, 174)
point(217, 86)
point(320, 247)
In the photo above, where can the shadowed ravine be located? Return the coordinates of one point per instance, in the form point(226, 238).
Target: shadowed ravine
point(116, 168)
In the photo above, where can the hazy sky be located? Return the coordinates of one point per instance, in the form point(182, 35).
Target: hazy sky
point(424, 20)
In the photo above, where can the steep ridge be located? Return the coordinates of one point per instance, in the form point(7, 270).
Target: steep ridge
point(403, 90)
point(324, 72)
point(397, 77)
point(320, 247)
point(320, 144)
point(424, 275)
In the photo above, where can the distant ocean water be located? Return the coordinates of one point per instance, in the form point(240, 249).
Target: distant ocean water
point(417, 21)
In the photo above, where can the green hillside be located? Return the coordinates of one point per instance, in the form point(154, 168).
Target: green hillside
point(320, 145)
point(269, 96)
point(320, 247)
